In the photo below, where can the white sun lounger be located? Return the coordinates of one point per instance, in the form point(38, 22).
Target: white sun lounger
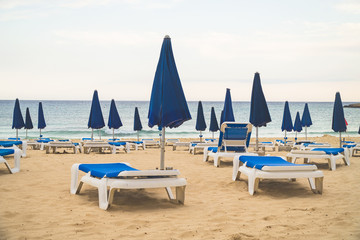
point(194, 147)
point(17, 154)
point(122, 176)
point(150, 143)
point(171, 141)
point(53, 146)
point(14, 144)
point(99, 145)
point(271, 167)
point(233, 136)
point(181, 144)
point(325, 154)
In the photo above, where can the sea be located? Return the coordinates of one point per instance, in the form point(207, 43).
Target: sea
point(69, 119)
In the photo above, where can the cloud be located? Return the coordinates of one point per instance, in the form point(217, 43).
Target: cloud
point(352, 7)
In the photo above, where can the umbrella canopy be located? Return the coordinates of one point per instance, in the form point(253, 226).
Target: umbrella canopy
point(114, 118)
point(200, 119)
point(359, 131)
point(214, 126)
point(297, 123)
point(227, 114)
point(18, 121)
point(287, 124)
point(137, 121)
point(259, 112)
point(306, 119)
point(338, 119)
point(96, 119)
point(41, 118)
point(168, 106)
point(28, 121)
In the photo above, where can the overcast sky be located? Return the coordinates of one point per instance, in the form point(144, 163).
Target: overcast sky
point(304, 50)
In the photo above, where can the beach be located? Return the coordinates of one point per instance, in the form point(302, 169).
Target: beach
point(36, 202)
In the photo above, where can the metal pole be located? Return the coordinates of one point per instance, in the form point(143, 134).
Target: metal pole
point(17, 134)
point(40, 133)
point(200, 136)
point(340, 138)
point(26, 133)
point(137, 133)
point(113, 134)
point(92, 134)
point(99, 134)
point(162, 152)
point(285, 138)
point(305, 132)
point(257, 140)
point(212, 135)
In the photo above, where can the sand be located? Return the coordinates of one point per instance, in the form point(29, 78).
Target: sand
point(36, 202)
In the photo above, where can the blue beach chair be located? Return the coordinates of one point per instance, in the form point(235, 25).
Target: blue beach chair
point(117, 176)
point(17, 155)
point(273, 167)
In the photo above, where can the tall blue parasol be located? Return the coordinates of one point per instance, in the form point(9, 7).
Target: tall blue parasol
point(18, 121)
point(259, 112)
point(114, 118)
point(96, 119)
point(287, 124)
point(168, 106)
point(359, 130)
point(227, 114)
point(137, 122)
point(297, 125)
point(306, 119)
point(28, 121)
point(200, 120)
point(41, 118)
point(214, 126)
point(338, 119)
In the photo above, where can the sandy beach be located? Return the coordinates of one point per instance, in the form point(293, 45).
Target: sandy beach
point(36, 202)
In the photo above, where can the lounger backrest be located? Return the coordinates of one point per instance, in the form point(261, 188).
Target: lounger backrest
point(235, 136)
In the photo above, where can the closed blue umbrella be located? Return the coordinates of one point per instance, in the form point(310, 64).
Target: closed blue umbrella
point(96, 119)
point(200, 120)
point(297, 125)
point(168, 106)
point(28, 121)
point(227, 114)
point(114, 118)
point(338, 119)
point(306, 119)
point(214, 126)
point(137, 122)
point(287, 124)
point(359, 131)
point(259, 112)
point(41, 118)
point(18, 121)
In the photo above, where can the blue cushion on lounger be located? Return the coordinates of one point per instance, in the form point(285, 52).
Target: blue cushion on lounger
point(213, 149)
point(259, 162)
point(86, 139)
point(266, 142)
point(4, 152)
point(9, 143)
point(117, 143)
point(349, 145)
point(105, 169)
point(333, 151)
point(138, 142)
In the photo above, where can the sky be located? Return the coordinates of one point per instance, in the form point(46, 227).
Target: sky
point(304, 50)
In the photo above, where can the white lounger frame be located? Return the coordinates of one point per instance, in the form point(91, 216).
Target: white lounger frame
point(314, 176)
point(295, 154)
point(181, 144)
point(132, 180)
point(201, 147)
point(88, 145)
point(150, 143)
point(17, 156)
point(55, 145)
point(22, 148)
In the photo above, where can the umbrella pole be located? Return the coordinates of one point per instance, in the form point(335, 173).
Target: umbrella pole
point(92, 134)
point(200, 136)
point(212, 135)
point(17, 134)
point(100, 134)
point(340, 138)
point(137, 133)
point(305, 132)
point(113, 134)
point(285, 138)
point(162, 152)
point(40, 133)
point(26, 134)
point(257, 141)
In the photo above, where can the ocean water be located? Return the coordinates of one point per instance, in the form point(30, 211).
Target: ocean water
point(68, 119)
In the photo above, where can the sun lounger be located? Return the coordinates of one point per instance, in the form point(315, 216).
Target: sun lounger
point(121, 146)
point(150, 143)
point(53, 146)
point(16, 145)
point(17, 155)
point(269, 146)
point(332, 154)
point(116, 176)
point(272, 167)
point(100, 146)
point(194, 147)
point(181, 144)
point(234, 140)
point(171, 141)
point(309, 146)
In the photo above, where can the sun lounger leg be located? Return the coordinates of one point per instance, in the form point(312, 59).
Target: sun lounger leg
point(317, 186)
point(216, 161)
point(347, 156)
point(169, 193)
point(236, 172)
point(74, 178)
point(23, 148)
point(112, 194)
point(252, 182)
point(180, 194)
point(332, 163)
point(102, 191)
